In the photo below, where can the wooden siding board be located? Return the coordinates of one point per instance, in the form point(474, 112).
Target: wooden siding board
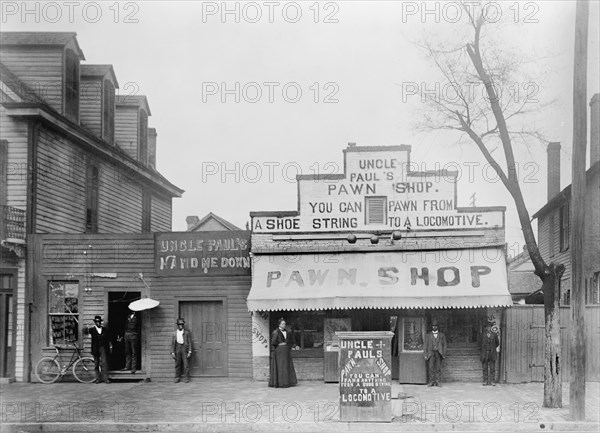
point(126, 129)
point(15, 133)
point(90, 105)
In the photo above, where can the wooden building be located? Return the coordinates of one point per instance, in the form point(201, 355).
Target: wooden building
point(69, 165)
point(380, 247)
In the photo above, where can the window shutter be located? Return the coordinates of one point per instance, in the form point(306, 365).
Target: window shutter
point(376, 210)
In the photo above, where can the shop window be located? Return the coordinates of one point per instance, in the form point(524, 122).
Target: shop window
point(307, 333)
point(91, 212)
point(108, 111)
point(412, 336)
point(72, 85)
point(593, 290)
point(63, 311)
point(563, 222)
point(146, 212)
point(375, 207)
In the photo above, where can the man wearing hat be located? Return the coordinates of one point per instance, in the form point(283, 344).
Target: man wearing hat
point(487, 354)
point(100, 349)
point(181, 350)
point(434, 352)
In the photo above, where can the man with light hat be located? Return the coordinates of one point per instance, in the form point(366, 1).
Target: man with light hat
point(488, 350)
point(181, 350)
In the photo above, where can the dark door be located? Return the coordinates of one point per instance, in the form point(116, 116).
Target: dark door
point(118, 309)
point(208, 324)
point(6, 325)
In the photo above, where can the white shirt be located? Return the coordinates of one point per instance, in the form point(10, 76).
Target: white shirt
point(434, 333)
point(98, 329)
point(180, 336)
point(284, 334)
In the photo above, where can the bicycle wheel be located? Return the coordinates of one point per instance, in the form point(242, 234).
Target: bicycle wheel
point(47, 370)
point(84, 370)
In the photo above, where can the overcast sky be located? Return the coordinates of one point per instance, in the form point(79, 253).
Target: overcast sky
point(353, 62)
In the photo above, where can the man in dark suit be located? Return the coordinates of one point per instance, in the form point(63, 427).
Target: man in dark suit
point(181, 350)
point(100, 349)
point(132, 338)
point(434, 352)
point(488, 353)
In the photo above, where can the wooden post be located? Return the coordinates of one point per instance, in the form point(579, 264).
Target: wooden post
point(577, 371)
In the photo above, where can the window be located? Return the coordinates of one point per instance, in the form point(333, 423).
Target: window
point(413, 333)
point(551, 237)
point(72, 85)
point(63, 311)
point(307, 332)
point(146, 212)
point(376, 208)
point(593, 289)
point(143, 147)
point(564, 297)
point(91, 212)
point(564, 222)
point(108, 111)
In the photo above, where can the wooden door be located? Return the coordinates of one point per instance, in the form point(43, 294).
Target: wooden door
point(6, 325)
point(207, 322)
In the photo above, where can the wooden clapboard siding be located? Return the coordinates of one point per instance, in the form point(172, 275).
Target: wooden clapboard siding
point(41, 68)
point(161, 214)
point(62, 257)
point(126, 129)
point(60, 197)
point(15, 133)
point(90, 105)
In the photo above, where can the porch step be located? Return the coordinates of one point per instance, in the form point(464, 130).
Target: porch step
point(127, 375)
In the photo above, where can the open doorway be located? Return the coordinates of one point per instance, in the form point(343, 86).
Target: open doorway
point(118, 310)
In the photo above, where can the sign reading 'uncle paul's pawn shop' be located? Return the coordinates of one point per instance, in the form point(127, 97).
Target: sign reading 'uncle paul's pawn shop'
point(222, 253)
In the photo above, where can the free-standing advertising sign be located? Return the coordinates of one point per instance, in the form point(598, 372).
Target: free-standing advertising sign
point(365, 376)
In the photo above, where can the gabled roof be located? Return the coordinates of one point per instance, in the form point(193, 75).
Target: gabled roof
point(134, 101)
point(99, 71)
point(565, 194)
point(40, 38)
point(211, 217)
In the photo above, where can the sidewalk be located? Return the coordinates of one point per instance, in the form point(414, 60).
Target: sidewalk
point(230, 404)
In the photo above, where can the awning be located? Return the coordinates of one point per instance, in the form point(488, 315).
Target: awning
point(465, 278)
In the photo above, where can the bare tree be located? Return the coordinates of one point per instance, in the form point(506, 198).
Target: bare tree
point(492, 121)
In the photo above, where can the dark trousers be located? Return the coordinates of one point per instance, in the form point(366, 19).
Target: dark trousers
point(131, 345)
point(489, 370)
point(101, 365)
point(181, 362)
point(435, 367)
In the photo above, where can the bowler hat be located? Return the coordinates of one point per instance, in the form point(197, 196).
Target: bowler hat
point(435, 323)
point(98, 319)
point(180, 321)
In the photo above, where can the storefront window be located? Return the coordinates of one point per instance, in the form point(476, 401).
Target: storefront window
point(413, 333)
point(63, 311)
point(307, 333)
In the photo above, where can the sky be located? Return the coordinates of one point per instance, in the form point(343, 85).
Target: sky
point(246, 95)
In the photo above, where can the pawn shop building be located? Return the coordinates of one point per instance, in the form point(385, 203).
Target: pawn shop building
point(379, 247)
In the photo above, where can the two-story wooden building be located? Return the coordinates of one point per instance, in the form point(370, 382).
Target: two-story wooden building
point(75, 158)
point(379, 247)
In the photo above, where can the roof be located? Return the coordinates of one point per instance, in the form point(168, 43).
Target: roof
point(565, 194)
point(15, 84)
point(212, 217)
point(523, 282)
point(134, 101)
point(40, 38)
point(99, 71)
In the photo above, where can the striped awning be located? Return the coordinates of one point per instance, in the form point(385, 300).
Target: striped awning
point(461, 278)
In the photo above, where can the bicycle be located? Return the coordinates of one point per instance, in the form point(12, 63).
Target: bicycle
point(48, 369)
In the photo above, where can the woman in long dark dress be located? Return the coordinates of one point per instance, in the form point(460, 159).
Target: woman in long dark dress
point(282, 372)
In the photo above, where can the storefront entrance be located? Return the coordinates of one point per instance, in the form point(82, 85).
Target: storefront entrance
point(207, 322)
point(118, 310)
point(6, 324)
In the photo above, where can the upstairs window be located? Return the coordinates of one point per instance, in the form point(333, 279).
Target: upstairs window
point(91, 212)
point(593, 289)
point(376, 210)
point(564, 227)
point(143, 147)
point(146, 212)
point(72, 85)
point(108, 111)
point(63, 311)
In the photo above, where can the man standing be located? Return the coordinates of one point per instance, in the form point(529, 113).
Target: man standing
point(100, 349)
point(132, 338)
point(181, 350)
point(489, 347)
point(434, 352)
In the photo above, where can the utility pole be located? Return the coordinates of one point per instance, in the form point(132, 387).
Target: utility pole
point(578, 355)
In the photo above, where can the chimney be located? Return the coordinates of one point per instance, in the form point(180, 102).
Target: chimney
point(553, 169)
point(594, 129)
point(152, 148)
point(191, 221)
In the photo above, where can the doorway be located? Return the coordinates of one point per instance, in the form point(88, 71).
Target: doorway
point(118, 310)
point(6, 325)
point(207, 321)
